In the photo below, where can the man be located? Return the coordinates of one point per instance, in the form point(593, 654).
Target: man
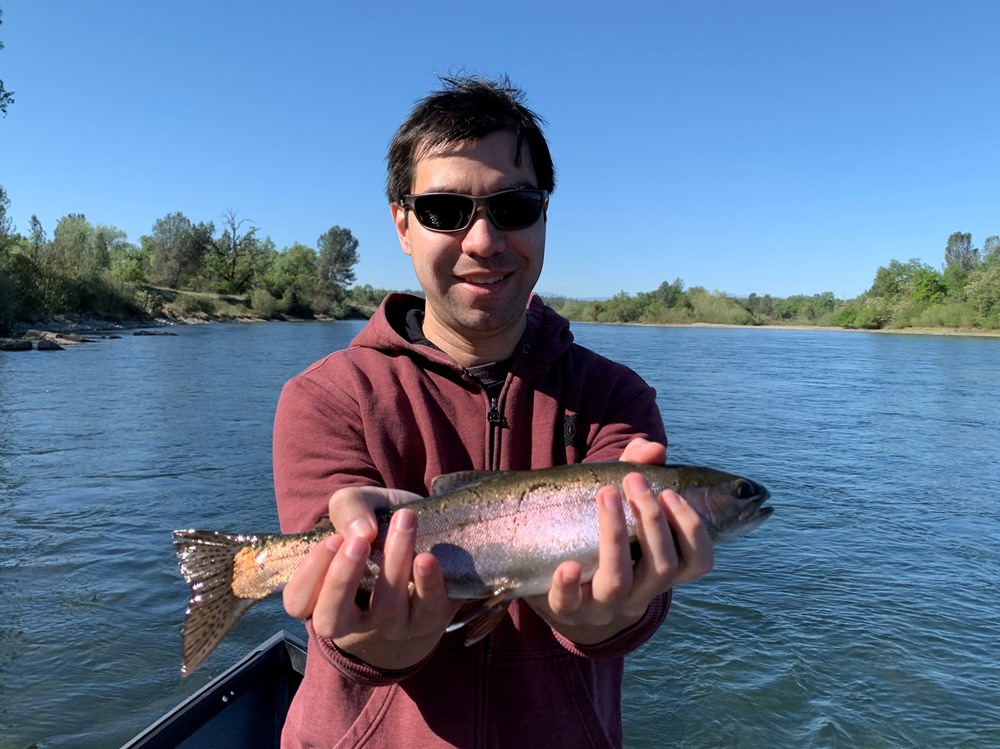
point(478, 375)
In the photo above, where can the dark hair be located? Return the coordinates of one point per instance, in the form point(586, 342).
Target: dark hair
point(466, 109)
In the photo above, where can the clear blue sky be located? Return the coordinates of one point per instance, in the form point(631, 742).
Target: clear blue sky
point(770, 147)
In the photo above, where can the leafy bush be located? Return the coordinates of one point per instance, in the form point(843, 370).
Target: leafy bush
point(189, 305)
point(949, 315)
point(721, 310)
point(148, 302)
point(263, 304)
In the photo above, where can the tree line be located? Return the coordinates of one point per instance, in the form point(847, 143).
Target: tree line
point(965, 293)
point(89, 269)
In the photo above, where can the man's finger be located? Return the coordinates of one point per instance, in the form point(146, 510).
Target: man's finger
point(336, 613)
point(613, 578)
point(302, 591)
point(566, 594)
point(390, 605)
point(659, 560)
point(641, 450)
point(694, 546)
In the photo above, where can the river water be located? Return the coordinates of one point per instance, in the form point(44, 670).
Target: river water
point(863, 614)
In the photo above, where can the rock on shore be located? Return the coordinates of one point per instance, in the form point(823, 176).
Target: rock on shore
point(43, 340)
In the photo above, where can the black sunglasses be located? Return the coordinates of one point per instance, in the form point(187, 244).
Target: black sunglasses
point(449, 211)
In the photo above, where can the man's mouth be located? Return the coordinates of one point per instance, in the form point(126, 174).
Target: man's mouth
point(484, 281)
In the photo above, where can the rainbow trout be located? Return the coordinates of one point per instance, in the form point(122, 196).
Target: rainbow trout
point(497, 535)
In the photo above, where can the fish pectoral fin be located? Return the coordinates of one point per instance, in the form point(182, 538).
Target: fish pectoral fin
point(482, 615)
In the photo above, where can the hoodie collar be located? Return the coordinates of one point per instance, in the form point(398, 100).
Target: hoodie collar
point(546, 336)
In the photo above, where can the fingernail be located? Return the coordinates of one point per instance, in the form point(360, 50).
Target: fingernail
point(356, 548)
point(361, 527)
point(423, 566)
point(333, 543)
point(673, 498)
point(611, 500)
point(636, 484)
point(406, 520)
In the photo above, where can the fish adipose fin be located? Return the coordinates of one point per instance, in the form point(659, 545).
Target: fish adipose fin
point(482, 615)
point(207, 565)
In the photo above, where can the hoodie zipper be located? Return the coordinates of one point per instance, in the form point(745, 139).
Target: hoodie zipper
point(495, 419)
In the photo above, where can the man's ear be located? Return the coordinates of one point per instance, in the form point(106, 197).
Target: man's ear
point(400, 217)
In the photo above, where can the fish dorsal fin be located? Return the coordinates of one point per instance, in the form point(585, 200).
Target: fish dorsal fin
point(482, 615)
point(451, 482)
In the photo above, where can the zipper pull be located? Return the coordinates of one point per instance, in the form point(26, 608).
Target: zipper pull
point(493, 415)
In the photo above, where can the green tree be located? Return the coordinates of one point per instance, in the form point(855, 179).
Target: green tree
point(177, 250)
point(959, 251)
point(991, 249)
point(38, 240)
point(983, 287)
point(292, 278)
point(983, 291)
point(960, 257)
point(6, 97)
point(927, 285)
point(338, 254)
point(6, 224)
point(128, 263)
point(69, 244)
point(366, 298)
point(670, 294)
point(238, 256)
point(104, 242)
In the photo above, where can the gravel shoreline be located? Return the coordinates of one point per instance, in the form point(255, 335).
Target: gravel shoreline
point(96, 326)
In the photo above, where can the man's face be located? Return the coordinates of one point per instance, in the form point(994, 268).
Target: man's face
point(476, 281)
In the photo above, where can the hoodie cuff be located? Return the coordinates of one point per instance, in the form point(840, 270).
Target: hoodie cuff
point(628, 639)
point(362, 673)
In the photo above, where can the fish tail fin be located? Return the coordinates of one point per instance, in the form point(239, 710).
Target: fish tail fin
point(207, 564)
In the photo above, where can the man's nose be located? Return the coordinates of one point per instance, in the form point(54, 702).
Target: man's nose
point(482, 237)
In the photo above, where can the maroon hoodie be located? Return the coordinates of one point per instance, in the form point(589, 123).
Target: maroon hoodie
point(387, 412)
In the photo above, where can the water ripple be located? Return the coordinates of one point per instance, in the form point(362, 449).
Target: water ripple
point(863, 614)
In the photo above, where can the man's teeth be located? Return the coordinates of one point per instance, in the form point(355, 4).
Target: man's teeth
point(486, 281)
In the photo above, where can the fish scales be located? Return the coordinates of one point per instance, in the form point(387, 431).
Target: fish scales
point(497, 536)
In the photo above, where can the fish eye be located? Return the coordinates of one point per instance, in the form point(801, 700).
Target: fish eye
point(743, 489)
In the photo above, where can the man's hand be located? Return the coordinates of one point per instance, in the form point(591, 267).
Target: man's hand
point(675, 546)
point(402, 623)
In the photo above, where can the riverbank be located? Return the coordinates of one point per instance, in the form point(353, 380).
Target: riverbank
point(94, 326)
point(81, 326)
point(974, 332)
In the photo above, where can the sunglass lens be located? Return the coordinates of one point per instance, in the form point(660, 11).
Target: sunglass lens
point(443, 212)
point(516, 209)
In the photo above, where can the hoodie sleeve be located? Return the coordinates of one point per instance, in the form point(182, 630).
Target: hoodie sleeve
point(630, 411)
point(318, 447)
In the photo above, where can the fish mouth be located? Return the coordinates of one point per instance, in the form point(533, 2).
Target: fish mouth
point(751, 497)
point(756, 513)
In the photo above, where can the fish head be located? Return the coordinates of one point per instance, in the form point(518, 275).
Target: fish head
point(731, 506)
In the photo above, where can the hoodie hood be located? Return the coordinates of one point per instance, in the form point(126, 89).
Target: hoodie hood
point(546, 336)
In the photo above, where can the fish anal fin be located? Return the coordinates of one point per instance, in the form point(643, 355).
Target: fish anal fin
point(480, 616)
